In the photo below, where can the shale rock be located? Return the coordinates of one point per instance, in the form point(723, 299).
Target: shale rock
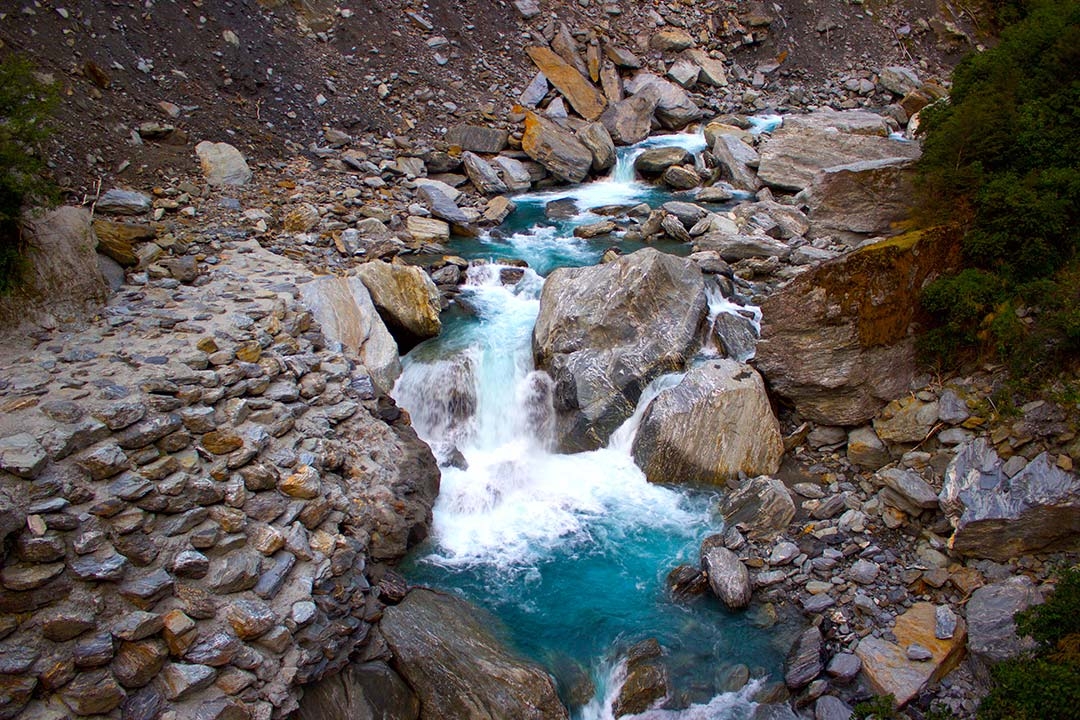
point(991, 622)
point(728, 577)
point(222, 164)
point(762, 507)
point(575, 87)
point(629, 121)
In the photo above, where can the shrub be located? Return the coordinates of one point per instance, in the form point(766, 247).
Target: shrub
point(25, 105)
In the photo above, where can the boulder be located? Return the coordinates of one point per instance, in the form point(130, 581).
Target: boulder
point(835, 341)
point(62, 282)
point(865, 449)
point(1000, 517)
point(761, 507)
point(123, 202)
point(365, 691)
point(478, 138)
point(596, 137)
point(558, 150)
point(710, 70)
point(803, 662)
point(513, 173)
point(736, 160)
point(914, 493)
point(222, 164)
point(713, 426)
point(117, 240)
point(447, 653)
point(407, 301)
point(348, 317)
point(441, 200)
point(886, 666)
point(851, 122)
point(655, 161)
point(671, 40)
point(792, 157)
point(737, 246)
point(728, 577)
point(604, 332)
point(646, 680)
point(899, 80)
point(482, 175)
point(990, 619)
point(861, 199)
point(427, 230)
point(586, 100)
point(629, 121)
point(674, 109)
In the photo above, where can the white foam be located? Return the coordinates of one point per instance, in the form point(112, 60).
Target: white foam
point(622, 440)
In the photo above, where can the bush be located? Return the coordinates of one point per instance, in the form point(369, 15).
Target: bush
point(25, 105)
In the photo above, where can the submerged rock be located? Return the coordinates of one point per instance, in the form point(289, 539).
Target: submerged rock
point(604, 332)
point(446, 652)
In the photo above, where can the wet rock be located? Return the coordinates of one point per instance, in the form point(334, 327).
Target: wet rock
point(803, 662)
point(761, 506)
point(629, 121)
point(1000, 517)
point(728, 577)
point(407, 301)
point(222, 164)
point(602, 361)
point(646, 683)
point(558, 150)
point(715, 425)
point(596, 137)
point(829, 707)
point(737, 160)
point(457, 669)
point(655, 161)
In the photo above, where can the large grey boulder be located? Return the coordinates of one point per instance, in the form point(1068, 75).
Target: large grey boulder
point(728, 577)
point(737, 160)
point(483, 177)
point(365, 691)
point(991, 627)
point(222, 164)
point(1000, 517)
point(675, 109)
point(348, 317)
point(655, 161)
point(447, 653)
point(803, 662)
point(406, 298)
point(557, 149)
point(861, 199)
point(597, 138)
point(851, 122)
point(629, 121)
point(604, 332)
point(713, 426)
point(738, 246)
point(761, 507)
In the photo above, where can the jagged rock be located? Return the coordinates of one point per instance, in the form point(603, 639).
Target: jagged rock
point(689, 214)
point(92, 693)
point(344, 309)
point(482, 175)
point(365, 691)
point(1001, 517)
point(427, 230)
point(444, 650)
point(407, 301)
point(222, 164)
point(123, 202)
point(558, 150)
point(674, 109)
point(899, 80)
point(646, 680)
point(735, 335)
point(713, 426)
point(835, 340)
point(844, 667)
point(634, 318)
point(440, 200)
point(803, 662)
point(477, 138)
point(861, 199)
point(914, 493)
point(991, 620)
point(762, 507)
point(728, 577)
point(66, 284)
point(865, 449)
point(513, 172)
point(629, 121)
point(829, 707)
point(886, 666)
point(672, 40)
point(736, 160)
point(575, 87)
point(22, 455)
point(116, 240)
point(710, 70)
point(596, 137)
point(137, 663)
point(180, 680)
point(680, 178)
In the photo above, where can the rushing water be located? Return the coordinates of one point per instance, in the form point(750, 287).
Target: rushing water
point(571, 552)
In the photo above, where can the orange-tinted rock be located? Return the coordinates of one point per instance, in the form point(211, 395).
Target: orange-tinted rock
point(575, 87)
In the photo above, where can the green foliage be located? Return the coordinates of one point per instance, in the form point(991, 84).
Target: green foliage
point(25, 105)
point(1000, 159)
point(1056, 619)
point(879, 707)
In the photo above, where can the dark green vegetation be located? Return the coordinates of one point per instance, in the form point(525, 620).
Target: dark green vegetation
point(25, 104)
point(1046, 683)
point(1000, 160)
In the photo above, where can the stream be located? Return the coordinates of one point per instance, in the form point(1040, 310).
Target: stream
point(569, 552)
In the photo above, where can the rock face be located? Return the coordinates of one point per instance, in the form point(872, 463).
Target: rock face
point(344, 308)
point(835, 343)
point(990, 617)
point(558, 150)
point(762, 507)
point(889, 670)
point(407, 301)
point(222, 164)
point(712, 426)
point(861, 199)
point(63, 282)
point(453, 663)
point(368, 691)
point(998, 517)
point(604, 332)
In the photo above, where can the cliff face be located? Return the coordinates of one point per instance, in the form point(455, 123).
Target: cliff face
point(193, 494)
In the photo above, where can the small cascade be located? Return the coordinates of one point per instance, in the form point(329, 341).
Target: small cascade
point(764, 123)
point(622, 440)
point(733, 329)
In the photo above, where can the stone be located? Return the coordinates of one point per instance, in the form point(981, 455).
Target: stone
point(92, 693)
point(67, 284)
point(222, 164)
point(762, 506)
point(863, 572)
point(29, 577)
point(885, 664)
point(91, 568)
point(304, 483)
point(181, 680)
point(216, 649)
point(600, 362)
point(22, 455)
point(655, 161)
point(829, 707)
point(447, 654)
point(844, 667)
point(439, 198)
point(406, 299)
point(427, 230)
point(728, 577)
point(348, 317)
point(803, 662)
point(918, 653)
point(646, 683)
point(629, 121)
point(899, 80)
point(592, 230)
point(558, 150)
point(222, 708)
point(482, 175)
point(735, 334)
point(1000, 517)
point(250, 618)
point(123, 202)
point(737, 160)
point(906, 420)
point(835, 344)
point(733, 247)
point(598, 140)
point(477, 138)
point(235, 572)
point(847, 122)
point(714, 426)
point(680, 178)
point(945, 621)
point(137, 663)
point(675, 109)
point(535, 92)
point(912, 489)
point(671, 40)
point(586, 100)
point(710, 70)
point(190, 564)
point(684, 72)
point(861, 199)
point(865, 449)
point(991, 623)
point(117, 240)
